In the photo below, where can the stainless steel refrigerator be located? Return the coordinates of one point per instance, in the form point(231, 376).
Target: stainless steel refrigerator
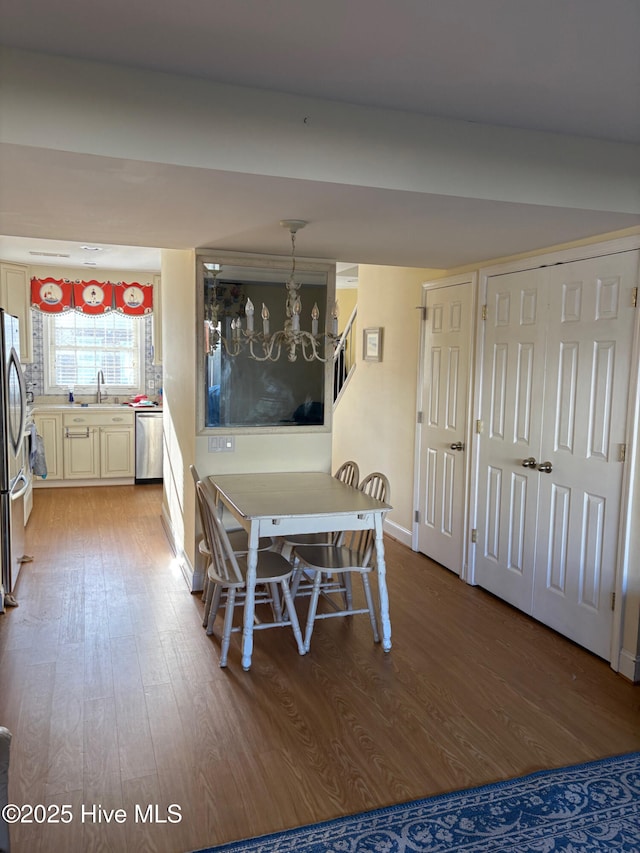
point(13, 477)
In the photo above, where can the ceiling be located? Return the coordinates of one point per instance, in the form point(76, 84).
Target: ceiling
point(571, 68)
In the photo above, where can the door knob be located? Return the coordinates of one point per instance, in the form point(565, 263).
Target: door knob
point(529, 463)
point(458, 445)
point(545, 467)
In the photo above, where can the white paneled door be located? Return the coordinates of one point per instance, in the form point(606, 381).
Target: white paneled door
point(556, 366)
point(444, 424)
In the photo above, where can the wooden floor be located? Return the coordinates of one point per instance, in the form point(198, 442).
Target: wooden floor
point(115, 699)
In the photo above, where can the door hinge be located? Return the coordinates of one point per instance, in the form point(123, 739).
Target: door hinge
point(634, 297)
point(423, 311)
point(419, 417)
point(484, 312)
point(416, 516)
point(613, 601)
point(474, 535)
point(622, 452)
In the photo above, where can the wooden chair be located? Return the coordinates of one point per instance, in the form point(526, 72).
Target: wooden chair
point(239, 540)
point(347, 473)
point(227, 576)
point(333, 565)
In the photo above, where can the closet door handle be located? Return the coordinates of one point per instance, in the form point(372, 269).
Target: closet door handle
point(545, 467)
point(529, 463)
point(457, 445)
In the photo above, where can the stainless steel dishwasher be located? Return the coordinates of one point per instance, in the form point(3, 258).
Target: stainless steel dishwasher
point(148, 447)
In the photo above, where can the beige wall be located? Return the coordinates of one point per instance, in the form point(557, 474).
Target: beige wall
point(178, 316)
point(374, 422)
point(309, 451)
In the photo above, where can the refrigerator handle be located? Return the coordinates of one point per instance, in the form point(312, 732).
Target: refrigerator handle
point(25, 485)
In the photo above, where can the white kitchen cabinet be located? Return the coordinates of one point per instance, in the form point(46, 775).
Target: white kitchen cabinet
point(157, 320)
point(87, 444)
point(15, 297)
point(81, 452)
point(49, 427)
point(116, 451)
point(98, 445)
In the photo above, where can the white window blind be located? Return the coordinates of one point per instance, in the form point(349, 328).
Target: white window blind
point(77, 346)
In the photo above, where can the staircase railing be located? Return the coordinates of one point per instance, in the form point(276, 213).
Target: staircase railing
point(344, 357)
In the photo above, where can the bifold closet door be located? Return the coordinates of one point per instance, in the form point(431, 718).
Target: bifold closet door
point(556, 368)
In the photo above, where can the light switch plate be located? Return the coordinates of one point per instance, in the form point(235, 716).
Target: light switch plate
point(222, 443)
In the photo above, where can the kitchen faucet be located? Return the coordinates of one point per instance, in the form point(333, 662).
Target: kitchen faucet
point(100, 381)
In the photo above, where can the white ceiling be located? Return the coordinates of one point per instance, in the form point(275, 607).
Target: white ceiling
point(570, 67)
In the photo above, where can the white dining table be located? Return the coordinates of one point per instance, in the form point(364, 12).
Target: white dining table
point(284, 503)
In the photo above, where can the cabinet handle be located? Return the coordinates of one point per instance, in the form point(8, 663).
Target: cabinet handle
point(76, 434)
point(117, 420)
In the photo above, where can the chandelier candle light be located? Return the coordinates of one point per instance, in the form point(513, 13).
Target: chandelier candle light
point(311, 345)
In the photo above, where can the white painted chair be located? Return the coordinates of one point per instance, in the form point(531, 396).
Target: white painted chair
point(239, 542)
point(227, 577)
point(301, 584)
point(333, 565)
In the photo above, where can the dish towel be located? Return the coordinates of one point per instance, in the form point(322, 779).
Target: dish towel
point(37, 459)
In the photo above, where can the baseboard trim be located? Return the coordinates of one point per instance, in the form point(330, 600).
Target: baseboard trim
point(396, 531)
point(629, 666)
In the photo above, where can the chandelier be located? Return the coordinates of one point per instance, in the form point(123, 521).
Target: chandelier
point(268, 346)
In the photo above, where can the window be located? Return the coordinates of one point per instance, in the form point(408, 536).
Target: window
point(77, 346)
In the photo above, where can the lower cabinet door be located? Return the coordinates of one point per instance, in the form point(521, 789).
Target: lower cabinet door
point(116, 452)
point(81, 453)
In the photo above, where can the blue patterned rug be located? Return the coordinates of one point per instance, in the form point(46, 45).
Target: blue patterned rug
point(590, 808)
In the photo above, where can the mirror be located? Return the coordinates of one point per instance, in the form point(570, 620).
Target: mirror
point(240, 391)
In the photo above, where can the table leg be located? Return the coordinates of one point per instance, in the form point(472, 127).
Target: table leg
point(382, 585)
point(249, 604)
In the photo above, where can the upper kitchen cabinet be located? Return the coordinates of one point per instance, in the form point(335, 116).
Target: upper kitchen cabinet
point(157, 321)
point(15, 297)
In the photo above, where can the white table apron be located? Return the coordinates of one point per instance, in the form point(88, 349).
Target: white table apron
point(280, 504)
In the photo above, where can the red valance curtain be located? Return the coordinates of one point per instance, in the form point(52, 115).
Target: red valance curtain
point(134, 299)
point(92, 297)
point(51, 295)
point(55, 295)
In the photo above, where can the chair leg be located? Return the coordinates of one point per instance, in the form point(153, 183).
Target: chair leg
point(228, 623)
point(348, 591)
point(275, 601)
point(205, 586)
point(214, 607)
point(208, 596)
point(292, 615)
point(313, 606)
point(372, 612)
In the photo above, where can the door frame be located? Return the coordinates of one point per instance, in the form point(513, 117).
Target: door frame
point(621, 659)
point(427, 286)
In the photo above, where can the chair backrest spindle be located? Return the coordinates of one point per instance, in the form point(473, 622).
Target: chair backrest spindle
point(348, 473)
point(224, 560)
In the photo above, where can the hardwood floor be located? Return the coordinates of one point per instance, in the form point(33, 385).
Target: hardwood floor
point(115, 699)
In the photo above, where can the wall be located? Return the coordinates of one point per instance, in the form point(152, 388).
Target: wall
point(310, 451)
point(374, 422)
point(179, 421)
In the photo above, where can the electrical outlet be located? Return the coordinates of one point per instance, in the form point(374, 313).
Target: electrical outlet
point(151, 385)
